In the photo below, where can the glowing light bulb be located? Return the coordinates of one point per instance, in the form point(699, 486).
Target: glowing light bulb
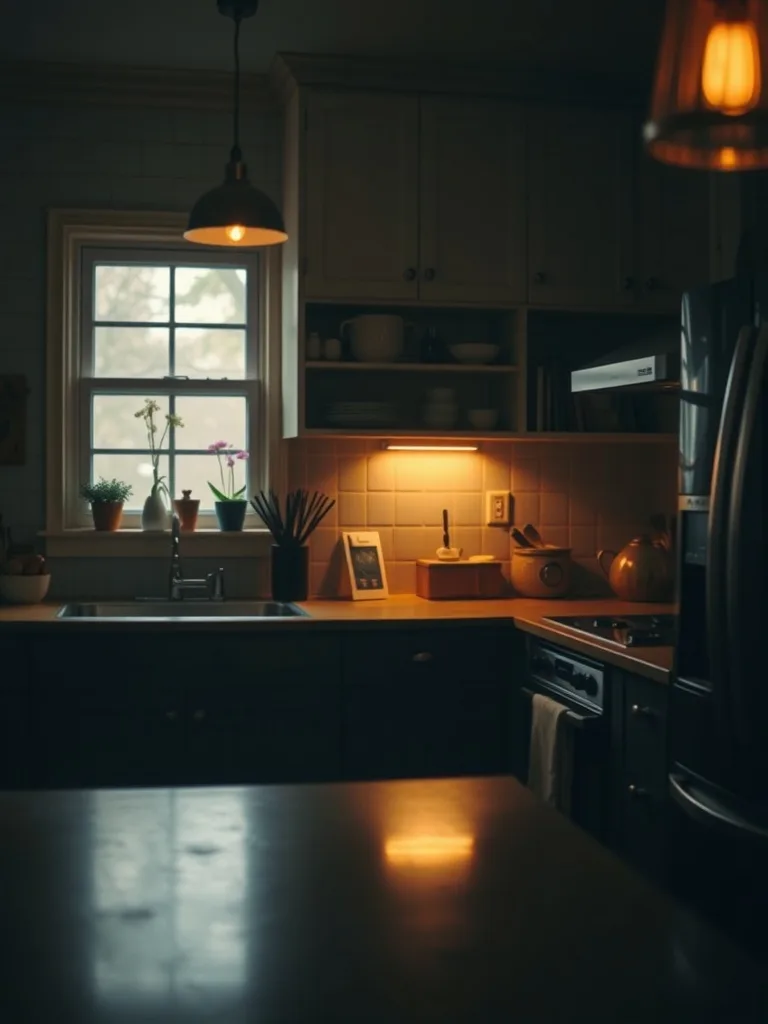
point(727, 158)
point(235, 232)
point(730, 72)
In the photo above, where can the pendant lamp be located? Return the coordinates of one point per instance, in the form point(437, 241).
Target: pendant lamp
point(236, 214)
point(709, 107)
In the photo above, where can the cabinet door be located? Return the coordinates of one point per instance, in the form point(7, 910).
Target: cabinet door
point(422, 704)
point(580, 208)
point(14, 693)
point(270, 714)
point(672, 233)
point(362, 178)
point(103, 713)
point(472, 210)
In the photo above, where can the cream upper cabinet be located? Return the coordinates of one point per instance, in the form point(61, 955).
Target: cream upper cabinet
point(472, 216)
point(361, 195)
point(580, 248)
point(673, 241)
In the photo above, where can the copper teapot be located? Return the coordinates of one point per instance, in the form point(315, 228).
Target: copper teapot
point(641, 571)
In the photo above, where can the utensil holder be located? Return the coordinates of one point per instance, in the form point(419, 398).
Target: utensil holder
point(290, 572)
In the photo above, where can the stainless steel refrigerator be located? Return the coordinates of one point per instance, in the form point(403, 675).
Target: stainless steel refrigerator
point(719, 699)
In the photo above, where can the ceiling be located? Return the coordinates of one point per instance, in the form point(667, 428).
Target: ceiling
point(592, 36)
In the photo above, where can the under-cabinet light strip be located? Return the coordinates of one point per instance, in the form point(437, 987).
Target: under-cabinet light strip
point(392, 447)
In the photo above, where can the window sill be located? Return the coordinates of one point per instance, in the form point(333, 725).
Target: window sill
point(90, 543)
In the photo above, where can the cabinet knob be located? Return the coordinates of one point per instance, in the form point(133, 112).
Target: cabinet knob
point(198, 715)
point(539, 277)
point(641, 711)
point(429, 274)
point(409, 274)
point(636, 791)
point(172, 715)
point(629, 284)
point(652, 283)
point(422, 656)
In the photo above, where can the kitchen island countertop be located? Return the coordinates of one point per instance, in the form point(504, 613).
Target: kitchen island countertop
point(451, 901)
point(410, 611)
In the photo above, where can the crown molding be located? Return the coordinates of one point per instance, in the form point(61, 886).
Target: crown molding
point(290, 71)
point(110, 85)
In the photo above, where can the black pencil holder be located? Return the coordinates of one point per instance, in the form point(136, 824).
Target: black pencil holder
point(290, 572)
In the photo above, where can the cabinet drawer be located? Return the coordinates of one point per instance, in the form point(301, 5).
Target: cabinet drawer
point(462, 654)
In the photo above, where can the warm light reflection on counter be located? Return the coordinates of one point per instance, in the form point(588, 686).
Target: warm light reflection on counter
point(428, 850)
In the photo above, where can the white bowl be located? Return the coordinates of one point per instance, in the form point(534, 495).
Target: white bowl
point(24, 589)
point(477, 352)
point(483, 419)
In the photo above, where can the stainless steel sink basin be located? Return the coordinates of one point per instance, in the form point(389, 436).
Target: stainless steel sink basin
point(189, 609)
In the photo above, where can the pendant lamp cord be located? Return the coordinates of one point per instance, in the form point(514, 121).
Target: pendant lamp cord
point(236, 153)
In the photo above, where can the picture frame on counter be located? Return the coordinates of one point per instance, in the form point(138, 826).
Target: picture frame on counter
point(365, 565)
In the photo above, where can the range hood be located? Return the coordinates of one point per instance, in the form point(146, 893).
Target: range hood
point(651, 364)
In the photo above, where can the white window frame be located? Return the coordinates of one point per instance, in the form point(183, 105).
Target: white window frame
point(75, 237)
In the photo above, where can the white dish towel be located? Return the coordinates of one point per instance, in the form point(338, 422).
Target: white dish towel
point(550, 765)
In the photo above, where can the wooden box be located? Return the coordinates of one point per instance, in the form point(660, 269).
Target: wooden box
point(441, 581)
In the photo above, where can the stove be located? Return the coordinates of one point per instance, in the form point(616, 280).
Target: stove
point(622, 630)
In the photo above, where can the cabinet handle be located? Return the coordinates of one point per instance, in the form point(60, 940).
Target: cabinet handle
point(409, 274)
point(636, 791)
point(198, 715)
point(642, 712)
point(652, 283)
point(422, 656)
point(172, 715)
point(629, 284)
point(429, 274)
point(539, 277)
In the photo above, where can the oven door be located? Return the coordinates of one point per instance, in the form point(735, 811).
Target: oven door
point(591, 794)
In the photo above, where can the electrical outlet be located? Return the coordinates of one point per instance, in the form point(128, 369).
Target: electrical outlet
point(497, 508)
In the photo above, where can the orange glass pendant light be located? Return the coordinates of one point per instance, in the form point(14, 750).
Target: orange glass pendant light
point(236, 214)
point(710, 97)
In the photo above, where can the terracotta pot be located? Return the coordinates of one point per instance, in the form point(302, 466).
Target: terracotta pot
point(107, 515)
point(187, 509)
point(642, 571)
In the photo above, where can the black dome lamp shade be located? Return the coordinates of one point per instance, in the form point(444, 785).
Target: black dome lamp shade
point(236, 214)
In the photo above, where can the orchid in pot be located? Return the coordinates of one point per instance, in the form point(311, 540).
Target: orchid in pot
point(154, 515)
point(230, 502)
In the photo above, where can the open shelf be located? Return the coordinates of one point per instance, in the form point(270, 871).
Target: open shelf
point(413, 367)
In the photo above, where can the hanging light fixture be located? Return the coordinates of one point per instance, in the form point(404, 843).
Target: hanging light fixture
point(709, 107)
point(236, 213)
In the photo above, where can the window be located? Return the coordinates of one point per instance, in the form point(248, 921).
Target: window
point(142, 315)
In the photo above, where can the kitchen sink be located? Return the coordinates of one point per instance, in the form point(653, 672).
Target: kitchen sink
point(189, 609)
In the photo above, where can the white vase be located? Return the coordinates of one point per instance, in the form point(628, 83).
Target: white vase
point(154, 515)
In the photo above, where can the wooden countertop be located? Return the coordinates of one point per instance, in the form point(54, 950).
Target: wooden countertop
point(454, 901)
point(410, 611)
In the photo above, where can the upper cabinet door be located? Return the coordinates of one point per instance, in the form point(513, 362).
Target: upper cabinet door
point(672, 233)
point(362, 196)
point(472, 212)
point(580, 208)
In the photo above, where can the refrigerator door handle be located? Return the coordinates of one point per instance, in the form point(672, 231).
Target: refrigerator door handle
point(739, 669)
point(701, 804)
point(717, 530)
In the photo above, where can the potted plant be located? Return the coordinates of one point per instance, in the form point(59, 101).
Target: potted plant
point(154, 515)
point(106, 498)
point(230, 503)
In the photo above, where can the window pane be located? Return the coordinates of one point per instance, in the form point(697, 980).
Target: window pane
point(211, 419)
point(194, 471)
point(115, 424)
point(135, 470)
point(203, 352)
point(131, 293)
point(131, 352)
point(209, 295)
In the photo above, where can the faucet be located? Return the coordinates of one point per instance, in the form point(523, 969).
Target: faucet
point(210, 588)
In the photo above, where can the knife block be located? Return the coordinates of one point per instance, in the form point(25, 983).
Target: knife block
point(443, 581)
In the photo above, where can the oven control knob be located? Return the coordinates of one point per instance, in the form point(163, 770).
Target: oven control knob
point(584, 681)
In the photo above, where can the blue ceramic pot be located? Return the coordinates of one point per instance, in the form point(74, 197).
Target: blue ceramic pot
point(231, 515)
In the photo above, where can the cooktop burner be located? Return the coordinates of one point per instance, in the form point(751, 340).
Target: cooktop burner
point(625, 631)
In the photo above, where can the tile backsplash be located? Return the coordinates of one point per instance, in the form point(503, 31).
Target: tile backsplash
point(584, 495)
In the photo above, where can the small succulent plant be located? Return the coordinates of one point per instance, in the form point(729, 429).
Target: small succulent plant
point(106, 490)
